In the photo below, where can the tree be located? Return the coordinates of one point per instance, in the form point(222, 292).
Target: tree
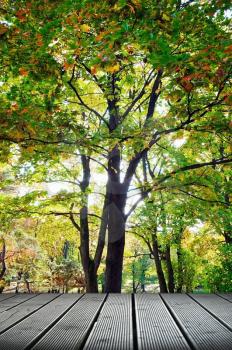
point(135, 57)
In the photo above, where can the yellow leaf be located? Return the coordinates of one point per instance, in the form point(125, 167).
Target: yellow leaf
point(3, 29)
point(113, 69)
point(85, 28)
point(136, 3)
point(17, 135)
point(31, 130)
point(30, 149)
point(166, 17)
point(181, 177)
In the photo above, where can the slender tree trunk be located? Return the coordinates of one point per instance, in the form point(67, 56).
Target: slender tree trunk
point(228, 230)
point(89, 268)
point(158, 264)
point(3, 263)
point(171, 281)
point(179, 269)
point(228, 237)
point(133, 278)
point(28, 286)
point(2, 260)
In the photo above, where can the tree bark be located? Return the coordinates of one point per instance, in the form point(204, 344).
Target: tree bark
point(228, 230)
point(117, 190)
point(91, 279)
point(171, 281)
point(116, 194)
point(133, 278)
point(2, 260)
point(179, 269)
point(114, 265)
point(88, 264)
point(228, 237)
point(158, 264)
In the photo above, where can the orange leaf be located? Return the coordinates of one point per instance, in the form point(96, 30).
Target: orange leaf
point(23, 72)
point(187, 85)
point(228, 49)
point(24, 110)
point(206, 67)
point(94, 70)
point(67, 65)
point(21, 14)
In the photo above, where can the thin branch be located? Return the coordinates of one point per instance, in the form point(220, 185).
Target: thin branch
point(202, 199)
point(81, 100)
point(75, 224)
point(140, 95)
point(144, 194)
point(214, 162)
point(65, 181)
point(88, 70)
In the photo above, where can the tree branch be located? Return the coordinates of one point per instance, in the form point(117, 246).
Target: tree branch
point(82, 102)
point(139, 96)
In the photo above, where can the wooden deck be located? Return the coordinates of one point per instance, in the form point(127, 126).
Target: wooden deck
point(115, 321)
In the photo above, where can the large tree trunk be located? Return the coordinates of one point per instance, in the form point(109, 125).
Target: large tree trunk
point(116, 243)
point(171, 281)
point(91, 279)
point(116, 237)
point(116, 194)
point(158, 265)
point(118, 191)
point(114, 265)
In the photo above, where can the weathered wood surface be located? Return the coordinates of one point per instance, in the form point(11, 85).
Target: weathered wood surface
point(202, 329)
point(6, 296)
point(16, 300)
point(116, 321)
point(227, 296)
point(220, 309)
point(114, 328)
point(156, 328)
point(71, 331)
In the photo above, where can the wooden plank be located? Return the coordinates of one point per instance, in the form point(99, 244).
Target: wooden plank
point(113, 329)
point(156, 328)
point(16, 300)
point(205, 331)
point(24, 334)
point(227, 296)
point(6, 296)
point(12, 316)
point(218, 307)
point(70, 332)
